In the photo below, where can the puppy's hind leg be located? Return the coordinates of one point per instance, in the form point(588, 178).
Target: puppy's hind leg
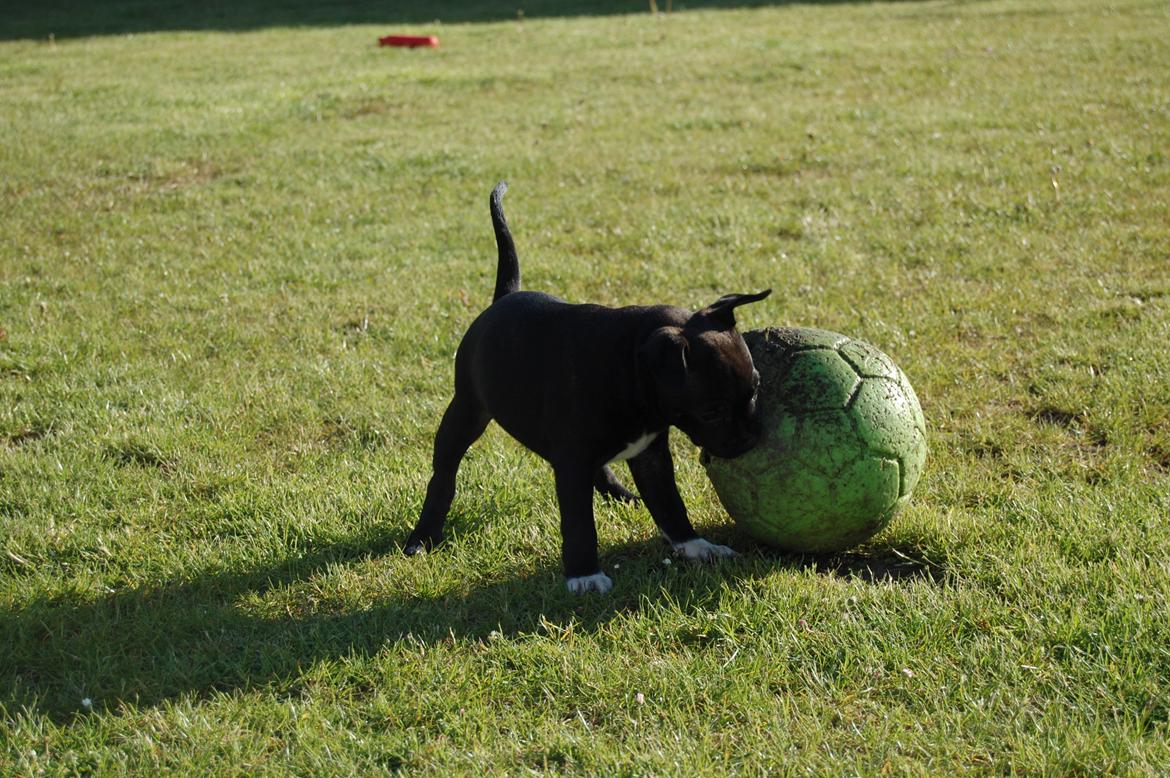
point(609, 487)
point(463, 423)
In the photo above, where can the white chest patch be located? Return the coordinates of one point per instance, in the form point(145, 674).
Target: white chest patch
point(635, 448)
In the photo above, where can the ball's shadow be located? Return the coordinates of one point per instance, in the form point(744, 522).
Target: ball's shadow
point(882, 564)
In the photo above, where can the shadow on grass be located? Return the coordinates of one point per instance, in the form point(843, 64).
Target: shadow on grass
point(148, 646)
point(77, 18)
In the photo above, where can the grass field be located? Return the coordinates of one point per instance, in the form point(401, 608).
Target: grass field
point(238, 249)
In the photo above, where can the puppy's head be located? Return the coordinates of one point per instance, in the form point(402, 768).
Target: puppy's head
point(704, 380)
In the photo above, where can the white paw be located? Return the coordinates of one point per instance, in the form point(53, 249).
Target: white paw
point(598, 582)
point(702, 550)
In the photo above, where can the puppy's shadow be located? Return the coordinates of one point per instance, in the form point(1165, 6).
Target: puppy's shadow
point(150, 645)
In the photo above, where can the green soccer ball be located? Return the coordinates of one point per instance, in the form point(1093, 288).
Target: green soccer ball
point(843, 446)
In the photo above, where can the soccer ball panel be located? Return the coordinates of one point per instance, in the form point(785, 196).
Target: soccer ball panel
point(818, 379)
point(868, 361)
point(884, 417)
point(825, 442)
point(912, 463)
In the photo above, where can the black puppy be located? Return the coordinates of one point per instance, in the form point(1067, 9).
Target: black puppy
point(585, 386)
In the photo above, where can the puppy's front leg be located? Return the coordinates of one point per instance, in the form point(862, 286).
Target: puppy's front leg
point(578, 532)
point(653, 472)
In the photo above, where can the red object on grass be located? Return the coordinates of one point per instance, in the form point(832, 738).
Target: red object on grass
point(411, 41)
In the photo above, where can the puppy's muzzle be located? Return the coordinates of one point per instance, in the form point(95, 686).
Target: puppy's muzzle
point(737, 445)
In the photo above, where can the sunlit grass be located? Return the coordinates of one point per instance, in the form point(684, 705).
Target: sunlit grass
point(234, 268)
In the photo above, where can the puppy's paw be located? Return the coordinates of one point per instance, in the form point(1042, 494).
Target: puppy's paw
point(702, 550)
point(598, 582)
point(419, 543)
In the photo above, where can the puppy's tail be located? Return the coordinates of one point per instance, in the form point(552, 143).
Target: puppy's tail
point(508, 269)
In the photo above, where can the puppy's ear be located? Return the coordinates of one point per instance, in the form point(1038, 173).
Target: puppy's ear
point(721, 313)
point(665, 354)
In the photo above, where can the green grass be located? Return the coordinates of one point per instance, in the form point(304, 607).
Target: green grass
point(235, 263)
